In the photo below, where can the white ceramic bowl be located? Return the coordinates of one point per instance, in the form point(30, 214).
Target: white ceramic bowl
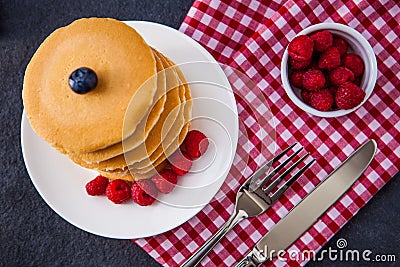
point(358, 45)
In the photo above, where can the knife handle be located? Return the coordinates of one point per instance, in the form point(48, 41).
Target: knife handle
point(198, 256)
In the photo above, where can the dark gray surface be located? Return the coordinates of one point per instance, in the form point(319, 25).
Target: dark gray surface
point(31, 233)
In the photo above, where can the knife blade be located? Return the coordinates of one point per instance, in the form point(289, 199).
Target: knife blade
point(307, 212)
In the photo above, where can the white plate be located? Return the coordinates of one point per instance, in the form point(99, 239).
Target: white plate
point(61, 183)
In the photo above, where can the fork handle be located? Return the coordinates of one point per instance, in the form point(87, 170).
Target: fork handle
point(197, 257)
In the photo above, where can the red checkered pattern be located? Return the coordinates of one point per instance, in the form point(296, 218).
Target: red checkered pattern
point(222, 27)
point(252, 38)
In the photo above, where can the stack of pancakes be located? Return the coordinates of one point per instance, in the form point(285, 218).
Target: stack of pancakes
point(131, 122)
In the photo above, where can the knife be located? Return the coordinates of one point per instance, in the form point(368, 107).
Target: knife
point(306, 213)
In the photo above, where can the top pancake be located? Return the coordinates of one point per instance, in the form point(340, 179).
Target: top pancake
point(142, 130)
point(83, 123)
point(175, 94)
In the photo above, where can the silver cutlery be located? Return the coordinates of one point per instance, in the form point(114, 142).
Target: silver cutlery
point(254, 198)
point(306, 213)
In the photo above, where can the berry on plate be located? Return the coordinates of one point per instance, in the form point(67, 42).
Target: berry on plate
point(329, 59)
point(322, 99)
point(196, 144)
point(165, 181)
point(118, 191)
point(180, 163)
point(349, 96)
point(144, 192)
point(322, 40)
point(97, 186)
point(313, 80)
point(301, 48)
point(341, 75)
point(354, 63)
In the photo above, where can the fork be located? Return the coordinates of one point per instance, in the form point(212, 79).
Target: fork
point(254, 198)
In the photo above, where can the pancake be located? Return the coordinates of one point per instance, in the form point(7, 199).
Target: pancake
point(167, 136)
point(164, 153)
point(143, 129)
point(171, 142)
point(175, 94)
point(127, 176)
point(83, 123)
point(168, 140)
point(159, 165)
point(165, 124)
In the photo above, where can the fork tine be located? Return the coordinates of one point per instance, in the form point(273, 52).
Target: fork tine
point(278, 168)
point(283, 152)
point(267, 165)
point(271, 187)
point(283, 164)
point(289, 182)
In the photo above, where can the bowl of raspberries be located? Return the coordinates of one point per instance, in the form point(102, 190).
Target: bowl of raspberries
point(329, 70)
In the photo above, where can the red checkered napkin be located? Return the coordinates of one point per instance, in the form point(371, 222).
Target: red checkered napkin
point(222, 27)
point(329, 140)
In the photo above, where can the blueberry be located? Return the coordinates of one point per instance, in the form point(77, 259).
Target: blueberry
point(82, 80)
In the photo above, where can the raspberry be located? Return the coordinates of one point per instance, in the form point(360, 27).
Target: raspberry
point(118, 191)
point(341, 45)
point(322, 40)
point(313, 80)
point(196, 143)
point(354, 63)
point(314, 63)
point(165, 181)
point(322, 99)
point(349, 96)
point(180, 163)
point(296, 79)
point(299, 65)
point(333, 90)
point(357, 81)
point(301, 48)
point(341, 75)
point(144, 192)
point(330, 59)
point(97, 186)
point(306, 95)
